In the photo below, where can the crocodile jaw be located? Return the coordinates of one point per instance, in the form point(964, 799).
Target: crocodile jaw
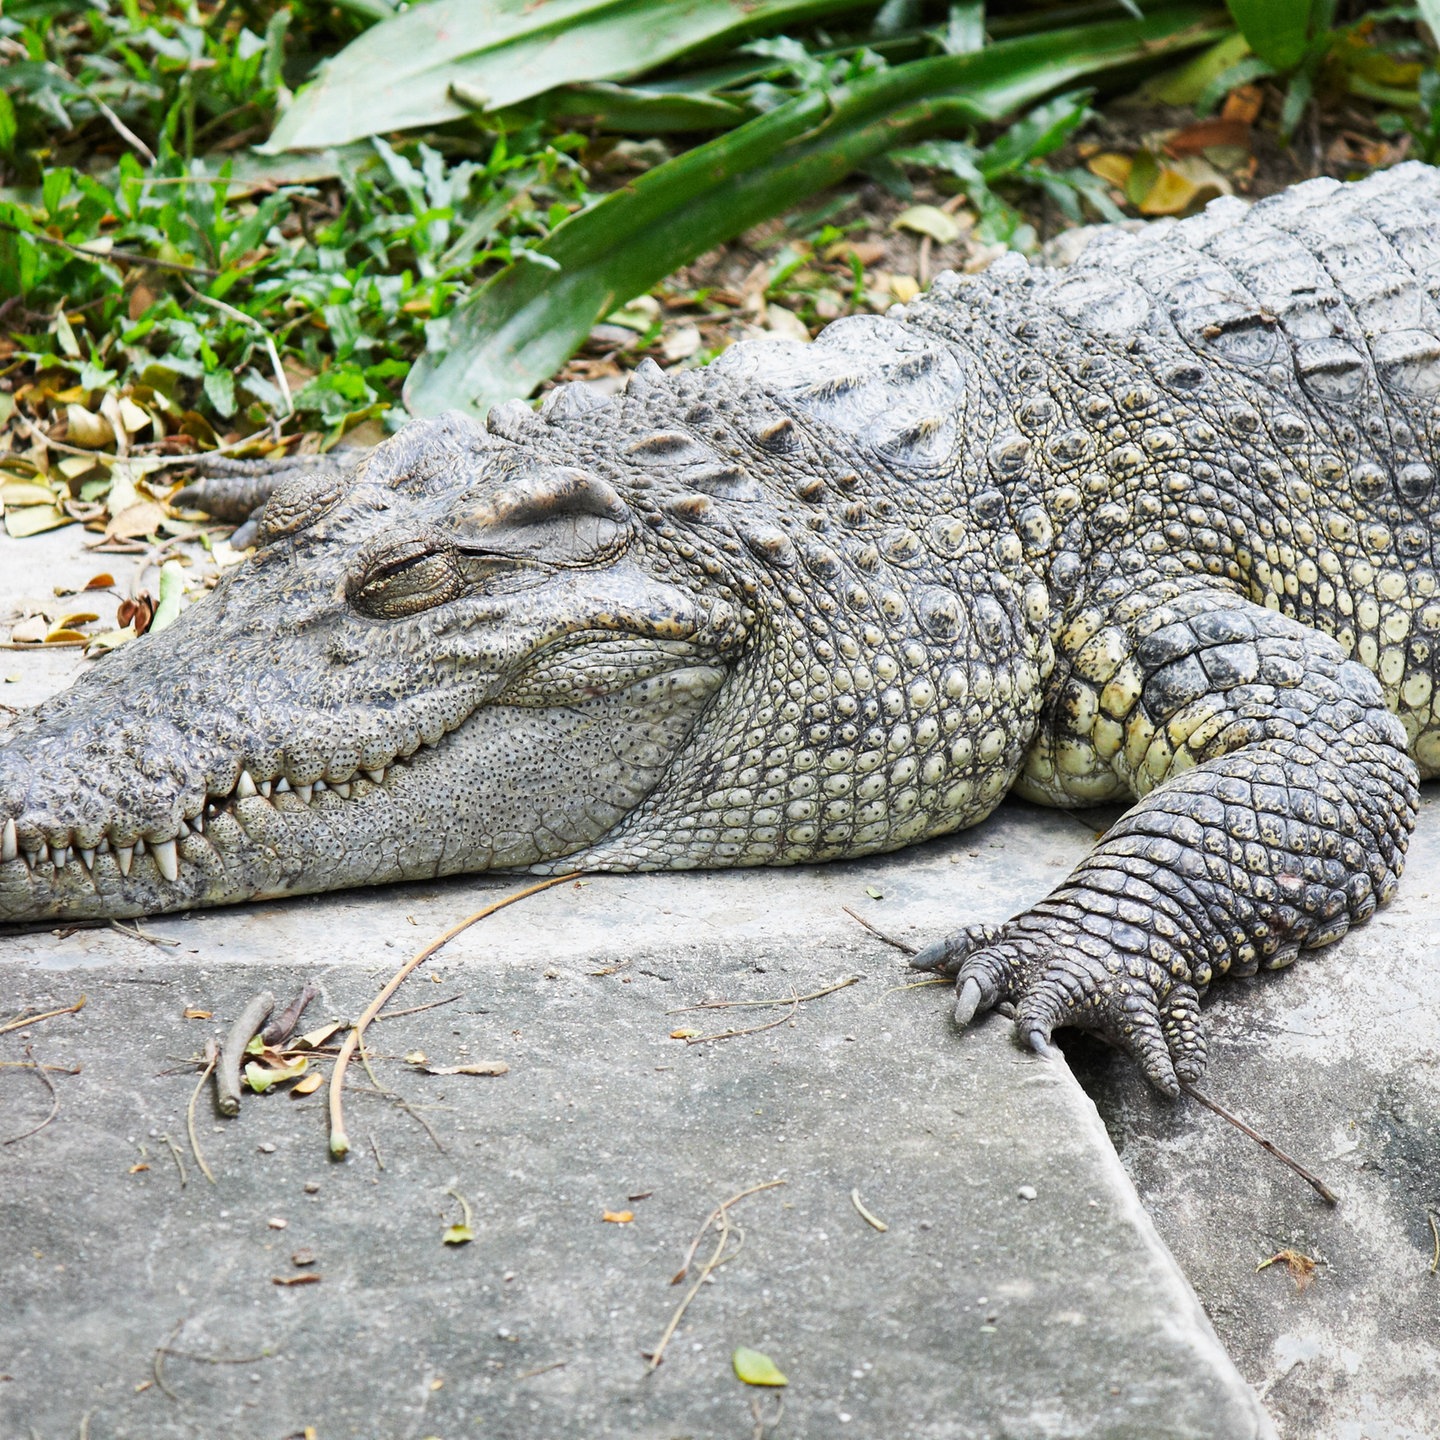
point(499, 784)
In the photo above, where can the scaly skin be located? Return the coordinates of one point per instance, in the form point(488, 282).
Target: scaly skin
point(1160, 527)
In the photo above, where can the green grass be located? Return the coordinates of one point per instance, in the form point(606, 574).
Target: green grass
point(147, 253)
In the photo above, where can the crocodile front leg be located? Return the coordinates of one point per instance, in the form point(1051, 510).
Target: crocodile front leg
point(1276, 802)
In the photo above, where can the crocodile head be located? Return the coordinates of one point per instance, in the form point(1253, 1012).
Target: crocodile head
point(451, 660)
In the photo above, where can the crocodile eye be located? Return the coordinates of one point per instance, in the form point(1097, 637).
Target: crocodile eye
point(404, 578)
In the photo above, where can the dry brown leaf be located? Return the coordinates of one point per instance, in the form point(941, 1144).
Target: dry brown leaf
point(89, 431)
point(618, 1217)
point(103, 581)
point(478, 1067)
point(1206, 133)
point(308, 1278)
point(193, 1014)
point(1301, 1267)
point(136, 521)
point(308, 1085)
point(1244, 104)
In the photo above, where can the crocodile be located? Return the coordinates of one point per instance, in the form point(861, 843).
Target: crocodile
point(1159, 528)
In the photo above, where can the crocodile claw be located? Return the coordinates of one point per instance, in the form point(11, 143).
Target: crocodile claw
point(1126, 999)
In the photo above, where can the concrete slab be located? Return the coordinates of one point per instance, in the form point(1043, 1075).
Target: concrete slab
point(1094, 1332)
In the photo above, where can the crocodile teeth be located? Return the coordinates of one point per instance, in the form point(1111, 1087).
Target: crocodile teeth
point(281, 785)
point(305, 792)
point(341, 788)
point(375, 777)
point(87, 857)
point(167, 861)
point(265, 787)
point(124, 855)
point(244, 786)
point(320, 785)
point(9, 842)
point(62, 857)
point(197, 823)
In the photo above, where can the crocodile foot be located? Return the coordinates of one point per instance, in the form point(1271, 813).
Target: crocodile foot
point(1099, 978)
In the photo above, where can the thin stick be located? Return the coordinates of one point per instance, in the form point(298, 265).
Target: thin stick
point(34, 1065)
point(138, 934)
point(116, 123)
point(748, 1030)
point(710, 1219)
point(339, 1140)
point(157, 1362)
point(128, 257)
point(1311, 1179)
point(178, 1157)
point(26, 1020)
point(212, 1054)
point(232, 1052)
point(1435, 1231)
point(415, 1010)
point(784, 1000)
point(398, 1100)
point(720, 1217)
point(864, 1214)
point(54, 1104)
point(900, 945)
point(281, 380)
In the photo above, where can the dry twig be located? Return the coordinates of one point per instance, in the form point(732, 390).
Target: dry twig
point(212, 1055)
point(339, 1140)
point(1309, 1177)
point(23, 1022)
point(720, 1218)
point(232, 1052)
point(901, 945)
point(49, 1084)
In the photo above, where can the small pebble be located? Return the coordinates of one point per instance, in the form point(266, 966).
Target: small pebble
point(277, 1222)
point(1027, 1192)
point(312, 1187)
point(267, 1148)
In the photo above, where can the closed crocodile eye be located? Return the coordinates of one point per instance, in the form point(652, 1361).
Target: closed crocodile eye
point(404, 579)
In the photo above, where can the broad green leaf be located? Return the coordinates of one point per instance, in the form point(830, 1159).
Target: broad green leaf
point(756, 1368)
point(1280, 31)
point(526, 322)
point(632, 109)
point(403, 72)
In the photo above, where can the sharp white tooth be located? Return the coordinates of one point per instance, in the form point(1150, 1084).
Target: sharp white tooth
point(305, 792)
point(124, 854)
point(44, 854)
point(166, 859)
point(375, 777)
point(198, 823)
point(321, 785)
point(341, 788)
point(140, 847)
point(265, 788)
point(87, 857)
point(62, 857)
point(184, 829)
point(281, 785)
point(9, 842)
point(245, 786)
point(104, 844)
